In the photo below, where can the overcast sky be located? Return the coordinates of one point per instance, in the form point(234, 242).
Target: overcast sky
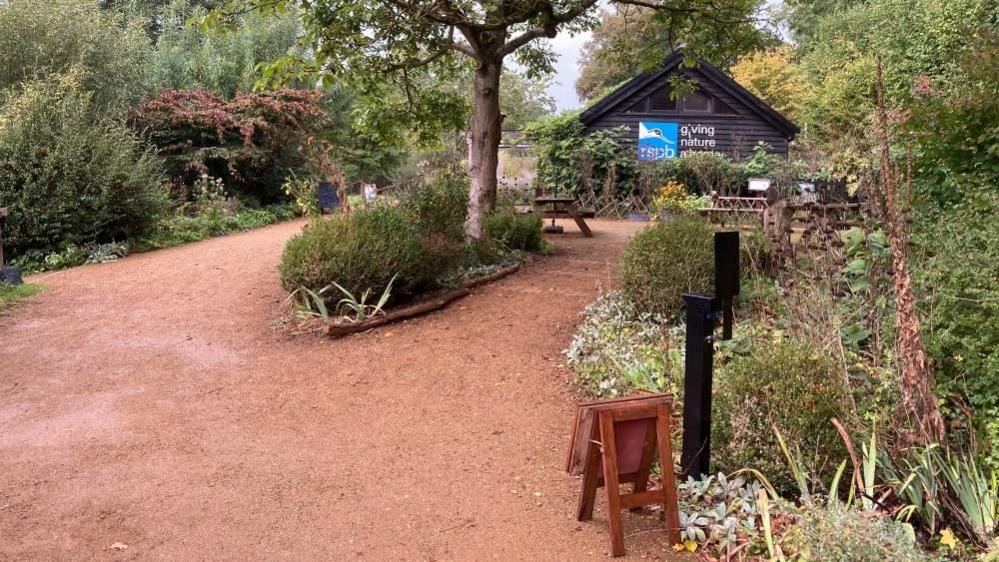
point(563, 89)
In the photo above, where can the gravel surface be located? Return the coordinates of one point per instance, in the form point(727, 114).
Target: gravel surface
point(149, 410)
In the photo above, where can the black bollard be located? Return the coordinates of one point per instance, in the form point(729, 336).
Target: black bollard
point(698, 366)
point(702, 311)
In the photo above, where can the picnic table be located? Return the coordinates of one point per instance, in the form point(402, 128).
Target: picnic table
point(555, 207)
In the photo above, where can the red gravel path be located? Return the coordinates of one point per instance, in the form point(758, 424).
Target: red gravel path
point(150, 402)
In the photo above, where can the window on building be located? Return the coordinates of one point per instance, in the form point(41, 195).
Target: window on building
point(638, 106)
point(723, 108)
point(697, 101)
point(660, 100)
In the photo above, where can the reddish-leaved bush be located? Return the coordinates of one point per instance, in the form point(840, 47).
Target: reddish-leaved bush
point(251, 142)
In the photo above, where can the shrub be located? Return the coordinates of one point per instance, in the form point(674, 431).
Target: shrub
point(362, 251)
point(616, 350)
point(251, 142)
point(438, 206)
point(840, 534)
point(666, 260)
point(756, 253)
point(45, 39)
point(515, 231)
point(704, 172)
point(786, 385)
point(569, 161)
point(70, 175)
point(955, 270)
point(186, 57)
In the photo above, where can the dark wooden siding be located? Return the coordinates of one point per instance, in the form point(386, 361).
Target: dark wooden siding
point(735, 134)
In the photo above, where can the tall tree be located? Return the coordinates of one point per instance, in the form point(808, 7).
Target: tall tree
point(615, 50)
point(775, 78)
point(374, 42)
point(632, 38)
point(524, 100)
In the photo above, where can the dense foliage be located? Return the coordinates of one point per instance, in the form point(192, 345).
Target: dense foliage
point(251, 142)
point(569, 162)
point(49, 38)
point(186, 58)
point(773, 76)
point(414, 237)
point(666, 260)
point(71, 176)
point(631, 39)
point(956, 221)
point(362, 251)
point(787, 386)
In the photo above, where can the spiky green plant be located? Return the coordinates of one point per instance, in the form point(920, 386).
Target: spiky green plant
point(977, 494)
point(358, 310)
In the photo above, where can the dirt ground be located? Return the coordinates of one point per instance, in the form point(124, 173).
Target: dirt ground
point(151, 403)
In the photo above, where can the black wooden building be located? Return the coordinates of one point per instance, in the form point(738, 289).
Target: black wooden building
point(720, 115)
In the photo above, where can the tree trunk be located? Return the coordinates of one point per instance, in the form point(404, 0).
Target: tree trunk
point(483, 149)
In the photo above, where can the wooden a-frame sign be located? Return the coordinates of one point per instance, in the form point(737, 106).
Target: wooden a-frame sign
point(614, 442)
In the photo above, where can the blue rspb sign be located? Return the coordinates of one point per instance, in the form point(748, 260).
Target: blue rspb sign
point(657, 141)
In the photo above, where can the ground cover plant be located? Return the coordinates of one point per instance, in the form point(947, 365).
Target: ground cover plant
point(11, 295)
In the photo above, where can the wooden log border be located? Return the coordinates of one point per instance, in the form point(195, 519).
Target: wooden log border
point(419, 309)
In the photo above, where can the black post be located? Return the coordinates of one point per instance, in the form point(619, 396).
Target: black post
point(700, 351)
point(726, 276)
point(697, 385)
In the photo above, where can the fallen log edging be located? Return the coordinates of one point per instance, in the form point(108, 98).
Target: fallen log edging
point(479, 281)
point(418, 309)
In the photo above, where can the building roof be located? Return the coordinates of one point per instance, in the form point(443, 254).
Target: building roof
point(670, 65)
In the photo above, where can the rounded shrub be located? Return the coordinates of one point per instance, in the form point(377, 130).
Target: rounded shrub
point(666, 260)
point(71, 175)
point(515, 231)
point(841, 534)
point(363, 251)
point(438, 206)
point(789, 386)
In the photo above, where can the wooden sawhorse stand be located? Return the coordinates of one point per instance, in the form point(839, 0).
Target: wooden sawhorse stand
point(615, 442)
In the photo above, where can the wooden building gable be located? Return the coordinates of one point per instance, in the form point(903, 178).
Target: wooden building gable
point(720, 116)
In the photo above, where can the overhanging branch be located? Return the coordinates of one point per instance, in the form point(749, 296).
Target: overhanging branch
point(548, 28)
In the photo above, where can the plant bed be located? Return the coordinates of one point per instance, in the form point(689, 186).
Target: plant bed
point(425, 306)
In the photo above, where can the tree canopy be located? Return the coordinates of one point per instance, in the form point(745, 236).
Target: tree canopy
point(397, 52)
point(631, 38)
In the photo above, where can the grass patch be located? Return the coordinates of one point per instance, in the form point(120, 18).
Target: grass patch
point(10, 295)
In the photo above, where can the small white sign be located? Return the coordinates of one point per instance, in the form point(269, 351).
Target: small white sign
point(370, 192)
point(759, 184)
